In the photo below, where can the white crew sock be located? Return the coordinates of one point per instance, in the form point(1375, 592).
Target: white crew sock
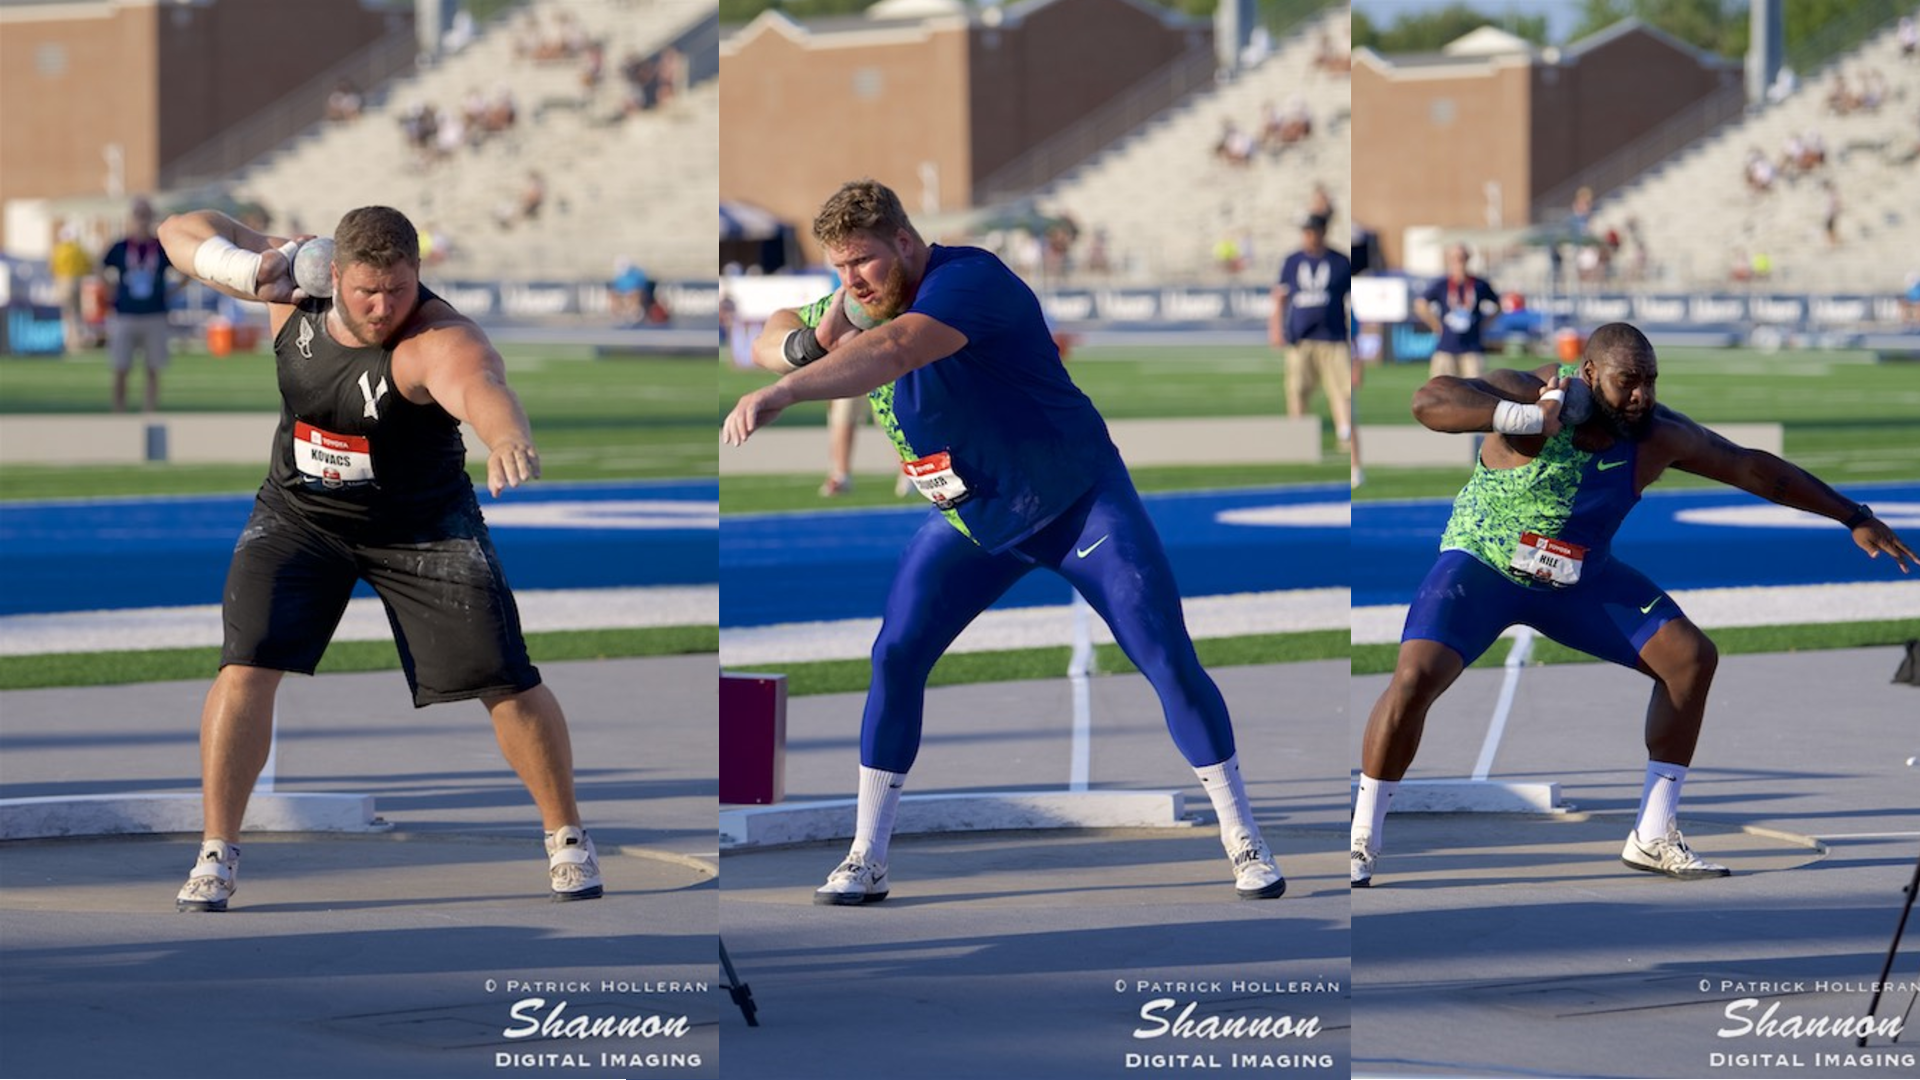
point(1229, 797)
point(1370, 813)
point(1659, 799)
point(873, 820)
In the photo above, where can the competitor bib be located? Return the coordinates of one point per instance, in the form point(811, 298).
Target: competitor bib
point(1546, 559)
point(934, 477)
point(331, 460)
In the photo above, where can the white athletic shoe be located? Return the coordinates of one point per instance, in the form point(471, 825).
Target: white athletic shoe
point(855, 881)
point(572, 866)
point(215, 877)
point(1669, 855)
point(1360, 870)
point(1255, 877)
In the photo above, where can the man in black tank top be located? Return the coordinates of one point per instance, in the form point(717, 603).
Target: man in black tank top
point(368, 481)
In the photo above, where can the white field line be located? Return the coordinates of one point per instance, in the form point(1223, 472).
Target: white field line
point(1022, 628)
point(366, 620)
point(1778, 605)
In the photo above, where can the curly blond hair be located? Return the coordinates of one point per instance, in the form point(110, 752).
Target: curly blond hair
point(861, 206)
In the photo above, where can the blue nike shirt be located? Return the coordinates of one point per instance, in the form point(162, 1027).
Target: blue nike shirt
point(1023, 438)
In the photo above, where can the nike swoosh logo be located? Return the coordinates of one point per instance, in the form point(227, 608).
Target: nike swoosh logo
point(1605, 465)
point(1650, 605)
point(1086, 551)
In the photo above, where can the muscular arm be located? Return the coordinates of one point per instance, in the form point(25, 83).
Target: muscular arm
point(860, 363)
point(1704, 453)
point(456, 366)
point(768, 349)
point(1449, 403)
point(182, 234)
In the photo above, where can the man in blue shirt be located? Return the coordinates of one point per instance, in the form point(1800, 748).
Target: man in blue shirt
point(964, 378)
point(1310, 318)
point(139, 320)
point(1458, 308)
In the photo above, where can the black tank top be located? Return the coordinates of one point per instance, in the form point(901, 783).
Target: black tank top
point(349, 445)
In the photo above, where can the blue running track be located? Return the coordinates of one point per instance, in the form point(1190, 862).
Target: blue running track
point(164, 552)
point(781, 568)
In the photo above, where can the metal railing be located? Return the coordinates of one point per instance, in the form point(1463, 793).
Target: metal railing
point(1635, 159)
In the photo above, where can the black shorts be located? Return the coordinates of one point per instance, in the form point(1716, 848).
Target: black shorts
point(453, 617)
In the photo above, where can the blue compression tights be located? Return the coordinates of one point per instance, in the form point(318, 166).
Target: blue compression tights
point(945, 580)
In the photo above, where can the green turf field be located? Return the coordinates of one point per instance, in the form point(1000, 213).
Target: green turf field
point(602, 419)
point(1848, 419)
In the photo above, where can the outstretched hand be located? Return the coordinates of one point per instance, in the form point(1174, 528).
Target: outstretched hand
point(753, 412)
point(1875, 536)
point(511, 464)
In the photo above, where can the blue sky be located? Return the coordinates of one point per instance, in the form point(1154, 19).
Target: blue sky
point(1561, 14)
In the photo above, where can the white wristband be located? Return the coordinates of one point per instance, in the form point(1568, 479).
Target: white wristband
point(219, 262)
point(1554, 395)
point(1513, 418)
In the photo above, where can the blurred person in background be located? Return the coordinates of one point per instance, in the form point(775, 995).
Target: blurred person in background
point(138, 277)
point(70, 265)
point(1457, 307)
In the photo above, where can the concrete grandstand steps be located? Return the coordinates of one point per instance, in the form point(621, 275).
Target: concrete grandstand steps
point(1699, 214)
point(1163, 197)
point(597, 203)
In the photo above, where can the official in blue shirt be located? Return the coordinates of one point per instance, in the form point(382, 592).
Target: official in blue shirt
point(1458, 308)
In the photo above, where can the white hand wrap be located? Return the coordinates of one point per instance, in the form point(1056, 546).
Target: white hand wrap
point(219, 262)
point(1513, 418)
point(1554, 395)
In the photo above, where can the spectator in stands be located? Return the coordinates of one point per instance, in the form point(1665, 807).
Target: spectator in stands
point(1580, 215)
point(630, 293)
point(1235, 146)
point(1760, 172)
point(139, 270)
point(593, 68)
point(641, 75)
point(500, 112)
point(449, 133)
point(70, 265)
point(1098, 259)
point(1909, 35)
point(1912, 299)
point(1296, 123)
point(1841, 99)
point(668, 72)
point(1831, 196)
point(1873, 90)
point(345, 102)
point(1327, 57)
point(533, 195)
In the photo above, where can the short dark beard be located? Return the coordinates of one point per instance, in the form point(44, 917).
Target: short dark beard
point(1616, 422)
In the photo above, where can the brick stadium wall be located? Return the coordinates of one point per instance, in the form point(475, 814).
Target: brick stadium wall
point(156, 80)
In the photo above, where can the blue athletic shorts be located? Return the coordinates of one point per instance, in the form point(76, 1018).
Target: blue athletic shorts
point(1465, 604)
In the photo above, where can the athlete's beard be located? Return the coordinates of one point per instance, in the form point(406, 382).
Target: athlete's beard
point(1617, 422)
point(890, 299)
point(363, 331)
